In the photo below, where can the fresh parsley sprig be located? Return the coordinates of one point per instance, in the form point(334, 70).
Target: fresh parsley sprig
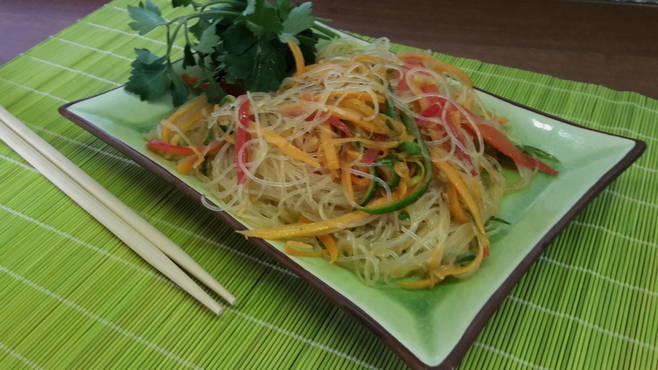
point(241, 43)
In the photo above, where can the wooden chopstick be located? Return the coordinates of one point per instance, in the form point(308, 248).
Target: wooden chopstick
point(138, 234)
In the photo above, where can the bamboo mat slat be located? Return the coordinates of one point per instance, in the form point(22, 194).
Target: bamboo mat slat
point(74, 296)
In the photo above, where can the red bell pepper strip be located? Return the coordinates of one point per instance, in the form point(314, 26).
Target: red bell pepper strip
point(240, 155)
point(161, 146)
point(435, 109)
point(500, 142)
point(370, 155)
point(342, 127)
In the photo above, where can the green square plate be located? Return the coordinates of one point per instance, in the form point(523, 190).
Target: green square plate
point(430, 328)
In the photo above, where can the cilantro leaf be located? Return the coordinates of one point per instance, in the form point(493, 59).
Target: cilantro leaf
point(237, 39)
point(200, 26)
point(145, 17)
point(261, 68)
point(298, 19)
point(214, 92)
point(284, 7)
point(261, 17)
point(188, 57)
point(179, 90)
point(149, 77)
point(208, 40)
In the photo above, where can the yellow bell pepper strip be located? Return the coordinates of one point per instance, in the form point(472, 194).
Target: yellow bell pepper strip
point(456, 210)
point(459, 270)
point(330, 244)
point(420, 284)
point(454, 177)
point(357, 120)
point(186, 164)
point(297, 54)
point(359, 106)
point(287, 148)
point(421, 188)
point(194, 104)
point(328, 147)
point(290, 246)
point(313, 229)
point(437, 66)
point(327, 240)
point(361, 95)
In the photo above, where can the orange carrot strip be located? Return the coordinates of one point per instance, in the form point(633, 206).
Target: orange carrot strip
point(297, 54)
point(194, 104)
point(328, 147)
point(456, 210)
point(291, 244)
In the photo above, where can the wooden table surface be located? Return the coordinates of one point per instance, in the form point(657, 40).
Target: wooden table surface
point(603, 43)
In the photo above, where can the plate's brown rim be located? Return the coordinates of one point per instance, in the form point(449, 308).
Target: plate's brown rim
point(485, 313)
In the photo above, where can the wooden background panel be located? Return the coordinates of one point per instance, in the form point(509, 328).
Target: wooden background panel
point(603, 43)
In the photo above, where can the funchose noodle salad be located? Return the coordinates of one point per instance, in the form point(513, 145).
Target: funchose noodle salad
point(385, 164)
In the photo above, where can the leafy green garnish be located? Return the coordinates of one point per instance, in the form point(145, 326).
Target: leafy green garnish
point(238, 42)
point(146, 17)
point(150, 78)
point(537, 153)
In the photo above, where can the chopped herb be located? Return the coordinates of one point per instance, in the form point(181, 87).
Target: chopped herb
point(239, 42)
point(537, 153)
point(403, 215)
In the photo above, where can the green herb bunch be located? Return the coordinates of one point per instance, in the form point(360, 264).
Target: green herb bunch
point(236, 43)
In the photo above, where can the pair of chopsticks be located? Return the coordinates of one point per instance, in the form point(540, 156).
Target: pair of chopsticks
point(149, 243)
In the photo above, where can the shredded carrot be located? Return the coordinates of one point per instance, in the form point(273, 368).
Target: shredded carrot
point(355, 118)
point(420, 284)
point(299, 57)
point(330, 244)
point(346, 180)
point(440, 67)
point(372, 59)
point(290, 246)
point(414, 86)
point(360, 181)
point(327, 240)
point(435, 255)
point(459, 270)
point(361, 95)
point(186, 164)
point(328, 147)
point(454, 177)
point(359, 106)
point(287, 148)
point(192, 105)
point(312, 229)
point(192, 119)
point(456, 210)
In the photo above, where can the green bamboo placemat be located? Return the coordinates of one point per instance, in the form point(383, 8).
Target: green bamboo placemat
point(74, 296)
